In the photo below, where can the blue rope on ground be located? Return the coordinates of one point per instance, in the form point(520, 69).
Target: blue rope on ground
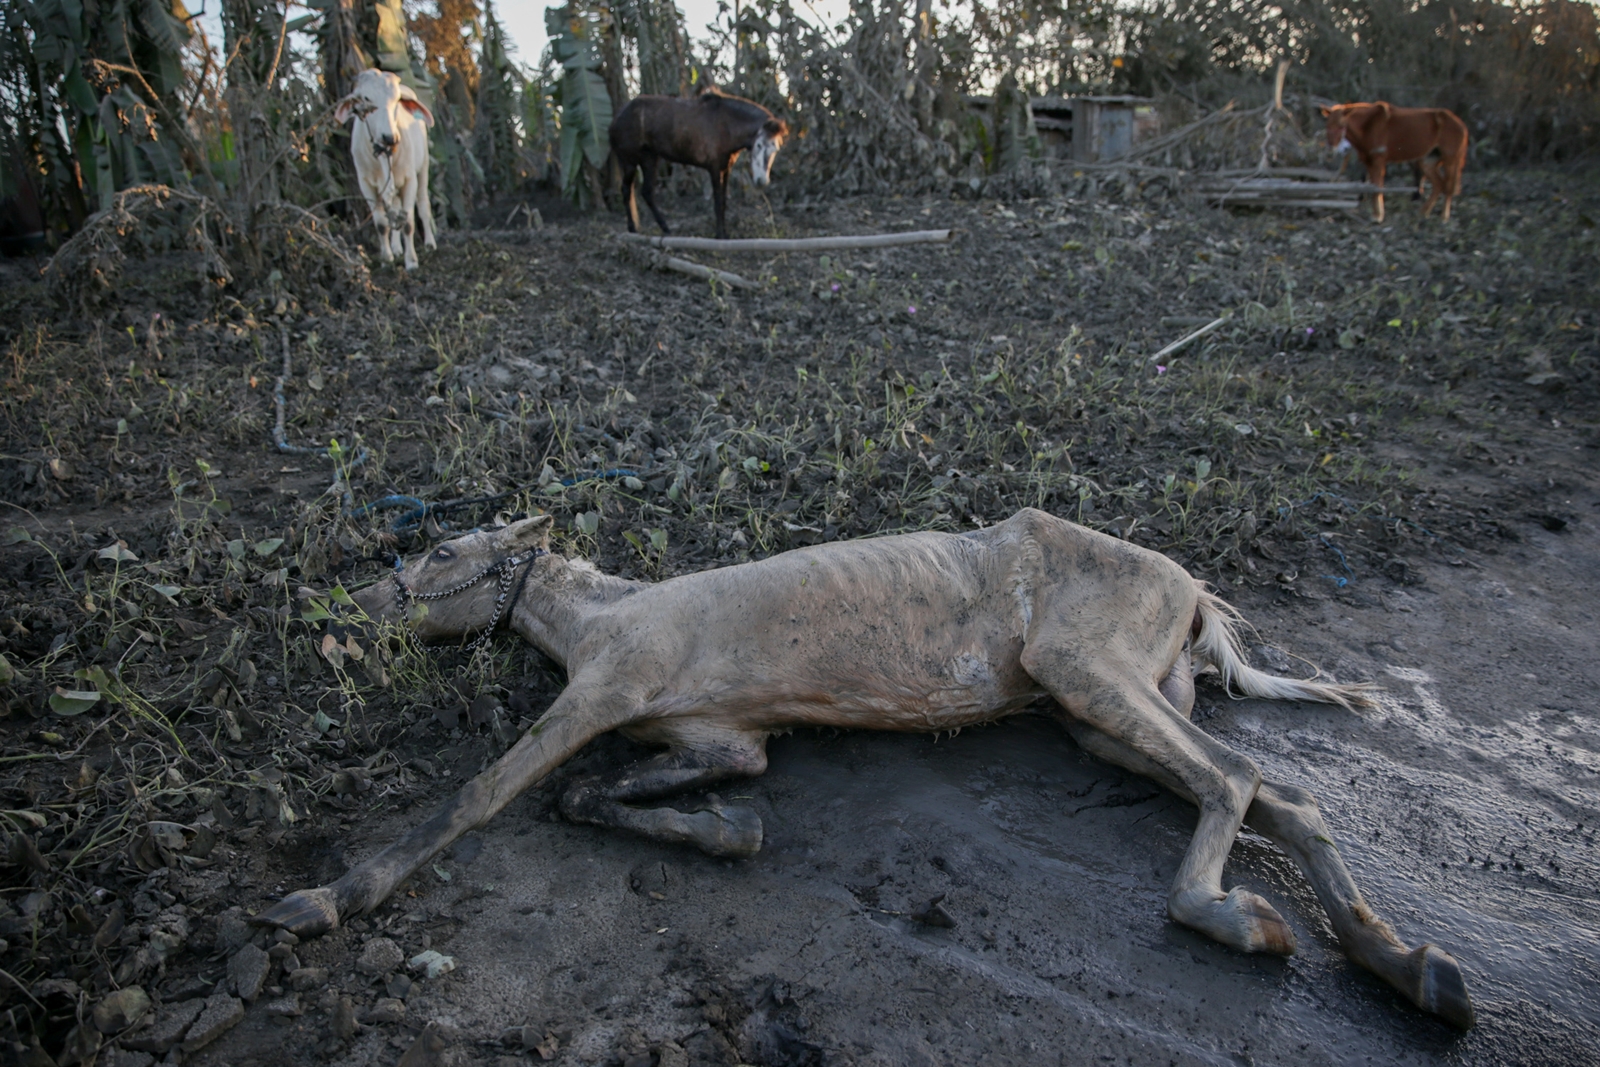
point(614, 472)
point(280, 436)
point(1334, 578)
point(420, 510)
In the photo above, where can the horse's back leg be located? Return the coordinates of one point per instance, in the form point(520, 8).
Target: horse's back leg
point(607, 799)
point(630, 169)
point(1436, 177)
point(1288, 817)
point(1113, 696)
point(648, 169)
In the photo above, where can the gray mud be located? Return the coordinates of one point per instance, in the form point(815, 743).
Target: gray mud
point(1466, 807)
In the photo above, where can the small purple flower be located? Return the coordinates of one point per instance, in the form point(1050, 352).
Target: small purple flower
point(1310, 330)
point(834, 287)
point(912, 310)
point(1161, 368)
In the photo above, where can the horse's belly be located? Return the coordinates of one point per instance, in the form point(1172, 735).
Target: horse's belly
point(967, 689)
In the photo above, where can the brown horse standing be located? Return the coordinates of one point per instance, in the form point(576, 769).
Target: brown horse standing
point(1382, 134)
point(704, 131)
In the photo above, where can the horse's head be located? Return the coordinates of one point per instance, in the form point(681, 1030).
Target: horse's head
point(1343, 118)
point(765, 149)
point(1338, 117)
point(376, 100)
point(460, 582)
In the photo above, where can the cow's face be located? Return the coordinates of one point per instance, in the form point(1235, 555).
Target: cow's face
point(1338, 130)
point(765, 149)
point(376, 102)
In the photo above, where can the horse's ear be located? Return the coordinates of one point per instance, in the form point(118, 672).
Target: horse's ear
point(776, 128)
point(525, 533)
point(1325, 111)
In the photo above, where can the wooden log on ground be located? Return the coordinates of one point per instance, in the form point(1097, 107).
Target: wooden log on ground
point(1243, 189)
point(795, 244)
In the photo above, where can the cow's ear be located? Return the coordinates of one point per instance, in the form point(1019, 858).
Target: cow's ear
point(341, 114)
point(1325, 111)
point(416, 107)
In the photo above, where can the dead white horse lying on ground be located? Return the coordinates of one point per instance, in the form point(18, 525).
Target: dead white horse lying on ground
point(389, 143)
point(925, 631)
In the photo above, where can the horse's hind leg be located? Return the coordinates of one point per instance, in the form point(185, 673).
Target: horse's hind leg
point(1436, 178)
point(1287, 816)
point(649, 171)
point(1110, 698)
point(607, 799)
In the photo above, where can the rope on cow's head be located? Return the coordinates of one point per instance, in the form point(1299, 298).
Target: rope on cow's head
point(502, 569)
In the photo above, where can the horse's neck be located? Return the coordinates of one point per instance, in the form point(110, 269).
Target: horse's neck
point(559, 606)
point(743, 119)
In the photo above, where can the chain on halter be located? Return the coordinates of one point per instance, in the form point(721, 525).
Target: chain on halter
point(503, 570)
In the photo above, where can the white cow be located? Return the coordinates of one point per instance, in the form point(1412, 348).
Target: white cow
point(390, 144)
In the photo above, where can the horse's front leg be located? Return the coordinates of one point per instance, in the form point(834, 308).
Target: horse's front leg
point(648, 170)
point(1377, 167)
point(581, 713)
point(719, 196)
point(630, 204)
point(608, 799)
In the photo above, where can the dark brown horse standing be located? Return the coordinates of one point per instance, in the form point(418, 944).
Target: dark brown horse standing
point(704, 131)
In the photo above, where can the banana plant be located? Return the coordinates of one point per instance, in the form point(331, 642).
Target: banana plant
point(499, 93)
point(98, 97)
point(585, 102)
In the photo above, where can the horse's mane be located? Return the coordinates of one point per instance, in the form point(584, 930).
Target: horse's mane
point(713, 95)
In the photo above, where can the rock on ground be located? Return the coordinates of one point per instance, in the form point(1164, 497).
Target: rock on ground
point(171, 1023)
point(248, 972)
point(380, 956)
point(121, 1009)
point(221, 1014)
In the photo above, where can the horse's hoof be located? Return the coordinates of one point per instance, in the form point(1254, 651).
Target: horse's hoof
point(1240, 920)
point(1439, 986)
point(306, 913)
point(1263, 928)
point(733, 832)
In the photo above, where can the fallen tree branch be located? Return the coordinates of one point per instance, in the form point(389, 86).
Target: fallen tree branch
point(1180, 342)
point(695, 270)
point(796, 244)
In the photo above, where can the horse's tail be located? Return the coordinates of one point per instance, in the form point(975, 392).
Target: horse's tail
point(1218, 644)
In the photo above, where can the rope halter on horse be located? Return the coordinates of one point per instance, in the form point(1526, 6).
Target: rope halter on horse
point(503, 571)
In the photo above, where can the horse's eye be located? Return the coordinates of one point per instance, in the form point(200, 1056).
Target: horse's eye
point(443, 555)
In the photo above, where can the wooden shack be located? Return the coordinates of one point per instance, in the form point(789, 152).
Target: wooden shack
point(1107, 127)
point(1087, 129)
